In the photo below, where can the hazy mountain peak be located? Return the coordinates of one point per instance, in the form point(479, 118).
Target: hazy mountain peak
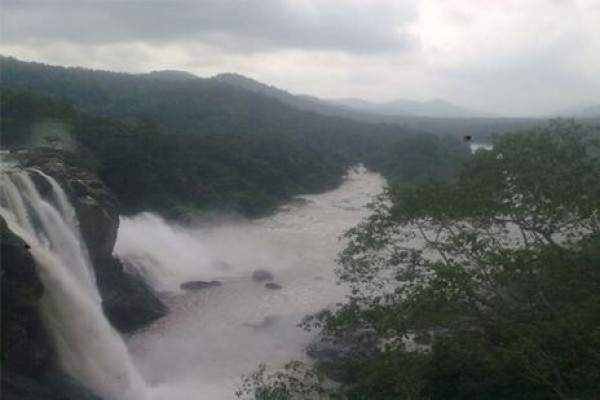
point(437, 108)
point(244, 82)
point(583, 110)
point(172, 75)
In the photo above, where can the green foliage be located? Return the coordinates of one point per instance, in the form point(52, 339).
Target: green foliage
point(150, 166)
point(417, 157)
point(496, 267)
point(483, 288)
point(22, 112)
point(295, 381)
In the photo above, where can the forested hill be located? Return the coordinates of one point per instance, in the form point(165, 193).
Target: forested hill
point(224, 102)
point(191, 105)
point(180, 145)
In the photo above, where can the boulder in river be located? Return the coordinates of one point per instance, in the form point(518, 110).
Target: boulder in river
point(197, 285)
point(261, 275)
point(273, 286)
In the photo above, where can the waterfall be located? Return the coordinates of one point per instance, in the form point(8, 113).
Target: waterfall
point(88, 348)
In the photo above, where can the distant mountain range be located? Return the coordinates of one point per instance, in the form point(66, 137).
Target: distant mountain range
point(395, 111)
point(231, 100)
point(338, 107)
point(432, 108)
point(585, 110)
point(172, 75)
point(302, 102)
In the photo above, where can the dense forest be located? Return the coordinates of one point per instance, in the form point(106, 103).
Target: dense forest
point(486, 287)
point(187, 147)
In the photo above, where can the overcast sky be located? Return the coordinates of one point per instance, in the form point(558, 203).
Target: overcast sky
point(513, 57)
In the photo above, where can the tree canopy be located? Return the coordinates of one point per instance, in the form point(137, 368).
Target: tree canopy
point(151, 166)
point(486, 287)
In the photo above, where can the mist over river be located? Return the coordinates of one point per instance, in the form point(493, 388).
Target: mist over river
point(214, 335)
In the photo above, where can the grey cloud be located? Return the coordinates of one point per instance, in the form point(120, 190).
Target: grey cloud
point(535, 80)
point(344, 25)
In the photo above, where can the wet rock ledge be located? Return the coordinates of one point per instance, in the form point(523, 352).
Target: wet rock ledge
point(28, 369)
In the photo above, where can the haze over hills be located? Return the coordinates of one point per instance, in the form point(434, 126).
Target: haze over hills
point(169, 140)
point(394, 111)
point(436, 116)
point(228, 101)
point(176, 100)
point(302, 102)
point(172, 75)
point(400, 107)
point(356, 108)
point(585, 110)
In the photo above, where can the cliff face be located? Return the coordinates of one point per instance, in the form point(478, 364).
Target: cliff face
point(25, 347)
point(27, 365)
point(127, 301)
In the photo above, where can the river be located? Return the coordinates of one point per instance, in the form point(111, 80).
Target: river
point(213, 336)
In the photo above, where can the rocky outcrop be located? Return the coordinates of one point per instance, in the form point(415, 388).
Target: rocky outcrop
point(28, 367)
point(273, 286)
point(127, 301)
point(197, 285)
point(27, 355)
point(25, 347)
point(96, 207)
point(262, 275)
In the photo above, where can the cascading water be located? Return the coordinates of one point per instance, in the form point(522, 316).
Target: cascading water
point(213, 336)
point(88, 348)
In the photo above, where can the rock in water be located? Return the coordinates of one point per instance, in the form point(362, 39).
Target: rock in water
point(127, 300)
point(197, 285)
point(273, 286)
point(261, 275)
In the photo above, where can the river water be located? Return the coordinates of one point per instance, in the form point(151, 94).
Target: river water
point(213, 336)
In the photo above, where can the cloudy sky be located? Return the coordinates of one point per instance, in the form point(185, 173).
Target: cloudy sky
point(513, 57)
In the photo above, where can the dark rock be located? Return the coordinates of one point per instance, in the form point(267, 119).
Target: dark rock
point(26, 348)
point(300, 202)
point(273, 286)
point(128, 302)
point(27, 354)
point(96, 207)
point(57, 387)
point(197, 285)
point(261, 275)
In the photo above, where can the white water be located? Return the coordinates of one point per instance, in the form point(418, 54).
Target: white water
point(210, 337)
point(480, 146)
point(87, 346)
point(213, 336)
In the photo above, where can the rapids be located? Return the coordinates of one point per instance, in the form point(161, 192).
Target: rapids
point(213, 336)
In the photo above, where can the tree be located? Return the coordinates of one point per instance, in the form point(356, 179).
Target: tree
point(487, 287)
point(499, 269)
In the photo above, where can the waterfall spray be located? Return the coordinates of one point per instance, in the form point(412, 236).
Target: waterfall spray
point(88, 348)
